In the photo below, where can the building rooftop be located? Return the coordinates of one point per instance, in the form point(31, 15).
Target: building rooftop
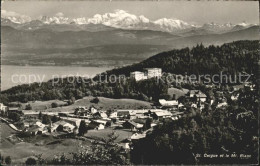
point(136, 72)
point(194, 91)
point(164, 102)
point(138, 136)
point(163, 113)
point(201, 95)
point(61, 122)
point(13, 108)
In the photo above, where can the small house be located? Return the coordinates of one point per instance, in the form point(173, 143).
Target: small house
point(201, 97)
point(34, 130)
point(3, 108)
point(93, 110)
point(123, 114)
point(137, 75)
point(161, 115)
point(103, 122)
point(180, 105)
point(62, 126)
point(96, 125)
point(133, 126)
point(99, 115)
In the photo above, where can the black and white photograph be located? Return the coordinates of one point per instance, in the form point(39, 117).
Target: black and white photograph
point(117, 82)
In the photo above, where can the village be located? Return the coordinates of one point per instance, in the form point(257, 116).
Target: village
point(90, 121)
point(137, 121)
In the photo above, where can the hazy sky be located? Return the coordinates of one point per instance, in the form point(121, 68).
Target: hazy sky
point(200, 12)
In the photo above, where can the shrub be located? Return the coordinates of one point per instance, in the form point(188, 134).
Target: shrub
point(8, 160)
point(28, 107)
point(54, 105)
point(30, 161)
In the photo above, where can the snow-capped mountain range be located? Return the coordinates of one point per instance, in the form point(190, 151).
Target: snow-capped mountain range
point(15, 17)
point(118, 19)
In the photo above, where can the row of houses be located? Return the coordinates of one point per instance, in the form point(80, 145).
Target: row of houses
point(65, 125)
point(199, 99)
point(137, 116)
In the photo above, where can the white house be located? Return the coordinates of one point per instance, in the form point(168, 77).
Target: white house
point(93, 110)
point(201, 96)
point(3, 108)
point(193, 105)
point(39, 124)
point(68, 127)
point(65, 126)
point(180, 105)
point(137, 75)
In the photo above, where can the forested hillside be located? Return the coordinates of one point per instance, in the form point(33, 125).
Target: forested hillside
point(231, 57)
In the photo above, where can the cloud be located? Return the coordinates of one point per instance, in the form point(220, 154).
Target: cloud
point(5, 13)
point(60, 14)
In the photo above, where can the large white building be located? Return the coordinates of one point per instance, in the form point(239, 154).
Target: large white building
point(153, 72)
point(148, 73)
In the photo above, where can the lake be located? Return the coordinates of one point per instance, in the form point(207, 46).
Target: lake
point(16, 75)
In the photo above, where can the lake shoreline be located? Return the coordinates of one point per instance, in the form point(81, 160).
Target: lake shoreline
point(12, 75)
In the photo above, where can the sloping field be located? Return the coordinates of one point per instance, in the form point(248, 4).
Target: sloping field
point(105, 132)
point(178, 93)
point(48, 147)
point(104, 103)
point(42, 105)
point(5, 131)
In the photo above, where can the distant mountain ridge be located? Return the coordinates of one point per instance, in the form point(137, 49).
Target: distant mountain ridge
point(121, 46)
point(12, 37)
point(110, 39)
point(119, 19)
